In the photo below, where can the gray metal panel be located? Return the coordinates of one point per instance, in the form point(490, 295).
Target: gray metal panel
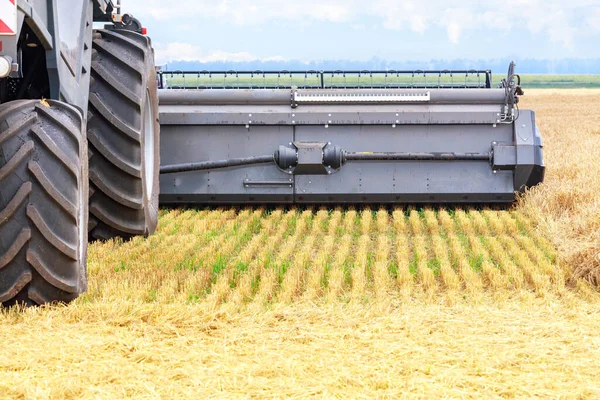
point(285, 96)
point(329, 115)
point(181, 144)
point(530, 169)
point(403, 198)
point(424, 181)
point(36, 12)
point(220, 97)
point(38, 21)
point(69, 62)
point(71, 20)
point(505, 156)
point(409, 138)
point(424, 178)
point(257, 197)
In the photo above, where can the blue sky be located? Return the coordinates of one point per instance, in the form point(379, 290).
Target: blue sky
point(394, 30)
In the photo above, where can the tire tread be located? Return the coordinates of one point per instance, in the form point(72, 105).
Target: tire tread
point(42, 245)
point(118, 205)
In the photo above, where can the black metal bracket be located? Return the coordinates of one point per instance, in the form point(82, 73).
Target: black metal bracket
point(309, 158)
point(512, 87)
point(248, 183)
point(504, 156)
point(127, 22)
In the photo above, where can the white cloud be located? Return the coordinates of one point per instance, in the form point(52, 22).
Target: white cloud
point(400, 15)
point(178, 51)
point(456, 20)
point(418, 24)
point(454, 31)
point(248, 12)
point(559, 20)
point(593, 20)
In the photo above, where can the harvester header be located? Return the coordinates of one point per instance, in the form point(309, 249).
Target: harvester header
point(345, 137)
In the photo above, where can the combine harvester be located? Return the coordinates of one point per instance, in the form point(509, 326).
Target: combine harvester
point(79, 141)
point(345, 137)
point(80, 144)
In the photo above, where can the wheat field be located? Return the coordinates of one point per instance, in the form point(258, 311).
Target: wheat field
point(255, 257)
point(373, 302)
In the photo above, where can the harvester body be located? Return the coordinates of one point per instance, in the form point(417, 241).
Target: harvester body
point(79, 138)
point(54, 59)
point(393, 137)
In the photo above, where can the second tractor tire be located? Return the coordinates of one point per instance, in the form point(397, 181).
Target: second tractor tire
point(123, 133)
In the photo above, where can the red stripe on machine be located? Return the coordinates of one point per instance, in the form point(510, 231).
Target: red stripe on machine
point(5, 28)
point(8, 17)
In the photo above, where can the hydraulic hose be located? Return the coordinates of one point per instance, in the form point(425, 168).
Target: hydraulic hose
point(436, 156)
point(205, 165)
point(287, 158)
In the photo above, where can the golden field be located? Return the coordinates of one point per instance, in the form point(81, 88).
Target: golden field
point(341, 303)
point(566, 208)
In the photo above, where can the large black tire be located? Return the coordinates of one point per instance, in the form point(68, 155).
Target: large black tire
point(43, 203)
point(123, 134)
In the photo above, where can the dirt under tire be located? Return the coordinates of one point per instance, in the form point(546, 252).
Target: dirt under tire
point(43, 203)
point(123, 135)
